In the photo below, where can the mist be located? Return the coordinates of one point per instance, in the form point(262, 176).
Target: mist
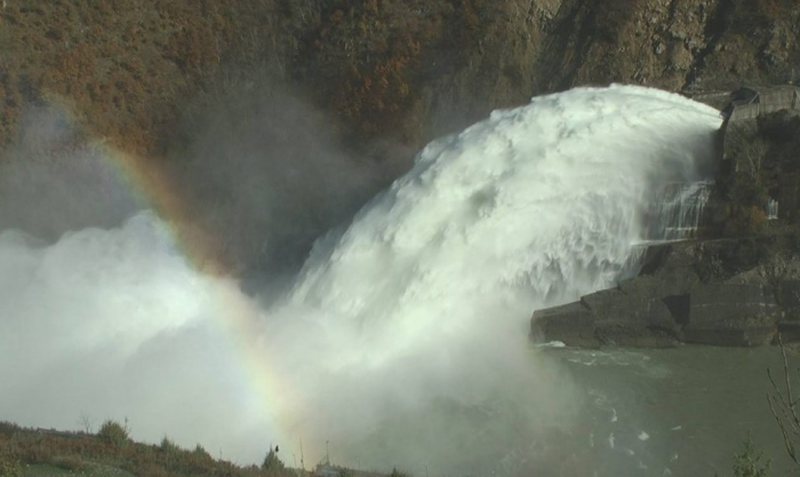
point(114, 324)
point(52, 180)
point(400, 341)
point(267, 174)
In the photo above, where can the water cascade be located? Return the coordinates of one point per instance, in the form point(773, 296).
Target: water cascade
point(434, 281)
point(772, 209)
point(676, 212)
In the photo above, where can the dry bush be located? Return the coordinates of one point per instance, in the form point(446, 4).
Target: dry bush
point(10, 465)
point(113, 433)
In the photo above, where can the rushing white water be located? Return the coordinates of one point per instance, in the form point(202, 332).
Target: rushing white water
point(677, 210)
point(406, 333)
point(534, 205)
point(427, 294)
point(772, 209)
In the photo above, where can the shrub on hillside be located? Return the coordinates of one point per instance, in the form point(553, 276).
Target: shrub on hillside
point(272, 463)
point(170, 449)
point(750, 462)
point(8, 427)
point(200, 451)
point(113, 433)
point(70, 462)
point(10, 466)
point(397, 473)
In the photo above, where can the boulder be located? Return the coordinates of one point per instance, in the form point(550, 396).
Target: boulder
point(571, 324)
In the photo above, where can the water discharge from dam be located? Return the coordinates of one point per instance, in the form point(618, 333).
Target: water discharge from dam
point(677, 213)
point(403, 340)
point(436, 278)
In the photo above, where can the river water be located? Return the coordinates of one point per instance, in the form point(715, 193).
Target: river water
point(684, 411)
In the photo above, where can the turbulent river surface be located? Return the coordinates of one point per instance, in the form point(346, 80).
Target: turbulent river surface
point(684, 411)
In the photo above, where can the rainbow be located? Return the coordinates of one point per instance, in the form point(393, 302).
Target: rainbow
point(236, 315)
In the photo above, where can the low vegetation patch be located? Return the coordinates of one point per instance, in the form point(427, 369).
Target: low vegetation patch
point(111, 452)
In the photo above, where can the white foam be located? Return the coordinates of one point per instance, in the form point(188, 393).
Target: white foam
point(552, 344)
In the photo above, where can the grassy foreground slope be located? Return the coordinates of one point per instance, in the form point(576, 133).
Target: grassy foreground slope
point(109, 452)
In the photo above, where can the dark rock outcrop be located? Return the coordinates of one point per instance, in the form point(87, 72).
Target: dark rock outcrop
point(687, 294)
point(759, 168)
point(572, 323)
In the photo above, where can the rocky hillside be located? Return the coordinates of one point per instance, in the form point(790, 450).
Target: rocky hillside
point(679, 45)
point(398, 71)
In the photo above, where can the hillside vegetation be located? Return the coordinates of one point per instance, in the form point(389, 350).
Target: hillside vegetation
point(405, 71)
